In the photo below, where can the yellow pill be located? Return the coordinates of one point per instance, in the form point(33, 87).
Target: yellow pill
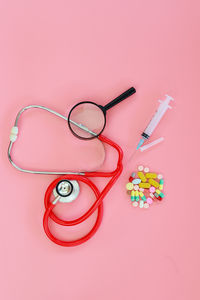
point(151, 175)
point(136, 193)
point(154, 183)
point(129, 186)
point(144, 185)
point(141, 176)
point(158, 192)
point(141, 194)
point(161, 187)
point(132, 193)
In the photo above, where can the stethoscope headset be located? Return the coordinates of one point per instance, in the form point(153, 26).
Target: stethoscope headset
point(86, 121)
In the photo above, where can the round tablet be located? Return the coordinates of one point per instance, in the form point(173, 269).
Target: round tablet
point(136, 187)
point(140, 168)
point(135, 204)
point(152, 189)
point(129, 186)
point(160, 176)
point(146, 205)
point(146, 170)
point(149, 200)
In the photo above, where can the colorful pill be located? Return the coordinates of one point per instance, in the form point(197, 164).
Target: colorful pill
point(151, 175)
point(161, 181)
point(132, 198)
point(140, 168)
point(144, 198)
point(129, 186)
point(141, 204)
point(141, 194)
point(156, 195)
point(135, 204)
point(130, 179)
point(146, 170)
point(160, 176)
point(145, 185)
point(136, 187)
point(149, 200)
point(132, 193)
point(136, 181)
point(160, 193)
point(154, 183)
point(136, 193)
point(152, 189)
point(142, 177)
point(161, 187)
point(146, 205)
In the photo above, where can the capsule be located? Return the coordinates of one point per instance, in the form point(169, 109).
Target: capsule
point(161, 184)
point(137, 198)
point(141, 176)
point(154, 182)
point(160, 193)
point(151, 175)
point(145, 185)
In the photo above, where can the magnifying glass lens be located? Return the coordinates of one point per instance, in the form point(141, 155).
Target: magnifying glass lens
point(86, 120)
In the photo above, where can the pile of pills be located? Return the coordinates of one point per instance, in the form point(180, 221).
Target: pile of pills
point(144, 187)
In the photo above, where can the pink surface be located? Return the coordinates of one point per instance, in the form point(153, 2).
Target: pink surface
point(56, 53)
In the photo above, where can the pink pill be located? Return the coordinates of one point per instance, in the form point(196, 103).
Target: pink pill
point(149, 201)
point(152, 189)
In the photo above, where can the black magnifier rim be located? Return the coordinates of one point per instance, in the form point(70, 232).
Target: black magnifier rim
point(64, 180)
point(84, 102)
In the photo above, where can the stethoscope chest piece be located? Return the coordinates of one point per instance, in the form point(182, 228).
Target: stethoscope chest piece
point(66, 190)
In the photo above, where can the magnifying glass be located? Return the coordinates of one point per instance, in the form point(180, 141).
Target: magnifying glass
point(87, 119)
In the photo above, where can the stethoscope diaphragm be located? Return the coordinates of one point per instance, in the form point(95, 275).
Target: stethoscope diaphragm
point(66, 191)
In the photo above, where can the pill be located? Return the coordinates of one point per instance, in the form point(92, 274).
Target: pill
point(146, 170)
point(144, 198)
point(160, 176)
point(137, 198)
point(132, 198)
point(136, 187)
point(136, 181)
point(149, 200)
point(160, 193)
point(156, 195)
point(160, 198)
point(151, 175)
point(129, 186)
point(142, 177)
point(135, 204)
point(161, 181)
point(151, 195)
point(141, 194)
point(133, 174)
point(130, 179)
point(152, 189)
point(132, 193)
point(128, 192)
point(136, 193)
point(146, 205)
point(161, 187)
point(153, 182)
point(140, 168)
point(141, 204)
point(141, 189)
point(145, 185)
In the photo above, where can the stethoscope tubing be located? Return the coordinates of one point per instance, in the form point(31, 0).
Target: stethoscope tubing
point(98, 204)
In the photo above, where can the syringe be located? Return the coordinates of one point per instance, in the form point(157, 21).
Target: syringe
point(163, 107)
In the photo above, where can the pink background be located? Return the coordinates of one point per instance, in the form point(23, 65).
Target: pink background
point(56, 53)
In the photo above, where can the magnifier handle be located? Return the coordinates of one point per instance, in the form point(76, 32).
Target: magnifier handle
point(120, 98)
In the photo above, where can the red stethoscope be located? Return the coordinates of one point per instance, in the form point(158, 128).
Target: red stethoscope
point(86, 120)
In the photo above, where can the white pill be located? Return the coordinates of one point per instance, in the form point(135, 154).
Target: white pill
point(136, 187)
point(135, 204)
point(146, 205)
point(141, 189)
point(160, 176)
point(146, 170)
point(140, 168)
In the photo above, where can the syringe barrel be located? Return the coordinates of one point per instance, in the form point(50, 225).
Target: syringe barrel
point(156, 119)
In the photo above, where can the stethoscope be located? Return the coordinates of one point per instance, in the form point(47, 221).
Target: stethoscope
point(86, 120)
